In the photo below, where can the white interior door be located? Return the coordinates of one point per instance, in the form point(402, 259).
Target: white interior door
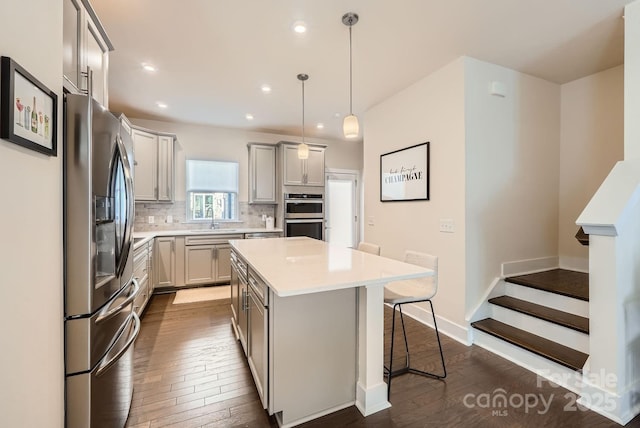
point(341, 205)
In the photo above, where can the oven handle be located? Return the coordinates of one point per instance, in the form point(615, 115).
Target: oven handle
point(308, 220)
point(303, 201)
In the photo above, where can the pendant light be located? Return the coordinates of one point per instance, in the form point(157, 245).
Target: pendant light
point(350, 126)
point(303, 149)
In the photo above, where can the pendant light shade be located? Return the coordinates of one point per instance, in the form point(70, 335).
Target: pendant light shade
point(303, 149)
point(350, 126)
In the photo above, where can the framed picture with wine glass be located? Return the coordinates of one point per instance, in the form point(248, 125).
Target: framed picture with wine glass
point(28, 109)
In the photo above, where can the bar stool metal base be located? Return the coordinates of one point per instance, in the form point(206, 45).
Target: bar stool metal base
point(389, 372)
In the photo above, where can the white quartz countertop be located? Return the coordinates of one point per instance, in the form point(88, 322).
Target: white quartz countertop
point(146, 236)
point(300, 265)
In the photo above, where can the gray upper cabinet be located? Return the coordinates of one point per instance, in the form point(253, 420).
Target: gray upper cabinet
point(262, 174)
point(86, 51)
point(302, 172)
point(145, 165)
point(153, 165)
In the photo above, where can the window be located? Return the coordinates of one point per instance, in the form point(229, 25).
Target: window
point(212, 190)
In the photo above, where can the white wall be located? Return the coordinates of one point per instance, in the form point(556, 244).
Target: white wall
point(31, 311)
point(208, 142)
point(592, 141)
point(512, 163)
point(632, 82)
point(429, 110)
point(494, 172)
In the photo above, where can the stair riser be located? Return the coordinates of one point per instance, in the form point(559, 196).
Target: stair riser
point(557, 333)
point(544, 368)
point(545, 298)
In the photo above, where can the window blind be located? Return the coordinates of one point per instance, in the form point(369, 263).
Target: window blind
point(211, 176)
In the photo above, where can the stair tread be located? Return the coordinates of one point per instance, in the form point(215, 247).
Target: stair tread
point(553, 351)
point(555, 316)
point(559, 281)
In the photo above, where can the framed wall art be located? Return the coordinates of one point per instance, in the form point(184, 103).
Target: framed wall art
point(28, 109)
point(404, 174)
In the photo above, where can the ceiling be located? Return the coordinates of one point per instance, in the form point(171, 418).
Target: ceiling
point(213, 56)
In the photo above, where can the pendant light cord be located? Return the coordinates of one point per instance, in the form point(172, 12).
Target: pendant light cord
point(303, 111)
point(350, 76)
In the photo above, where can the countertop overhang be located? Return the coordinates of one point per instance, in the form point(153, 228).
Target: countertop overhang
point(301, 265)
point(143, 237)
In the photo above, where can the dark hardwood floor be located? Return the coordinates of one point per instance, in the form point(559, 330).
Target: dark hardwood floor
point(190, 372)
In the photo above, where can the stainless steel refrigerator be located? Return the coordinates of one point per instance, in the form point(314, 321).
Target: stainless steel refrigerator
point(100, 325)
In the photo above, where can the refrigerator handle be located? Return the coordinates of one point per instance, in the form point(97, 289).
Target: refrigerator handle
point(136, 330)
point(111, 312)
point(128, 240)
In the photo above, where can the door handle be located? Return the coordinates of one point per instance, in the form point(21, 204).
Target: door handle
point(136, 330)
point(110, 313)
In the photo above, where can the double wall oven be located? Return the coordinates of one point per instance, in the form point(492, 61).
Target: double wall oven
point(304, 215)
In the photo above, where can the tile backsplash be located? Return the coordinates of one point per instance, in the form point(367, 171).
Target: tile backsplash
point(250, 216)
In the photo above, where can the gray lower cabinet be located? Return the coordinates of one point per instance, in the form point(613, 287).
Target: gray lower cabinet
point(165, 261)
point(239, 300)
point(142, 274)
point(207, 259)
point(257, 351)
point(223, 262)
point(200, 267)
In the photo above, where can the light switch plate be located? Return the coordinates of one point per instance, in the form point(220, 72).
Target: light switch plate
point(447, 225)
point(370, 221)
point(169, 219)
point(151, 219)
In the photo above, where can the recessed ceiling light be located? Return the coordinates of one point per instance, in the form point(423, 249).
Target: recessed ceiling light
point(337, 115)
point(249, 116)
point(148, 67)
point(299, 27)
point(320, 126)
point(161, 104)
point(266, 89)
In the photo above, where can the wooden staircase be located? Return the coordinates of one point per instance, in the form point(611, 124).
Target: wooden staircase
point(537, 326)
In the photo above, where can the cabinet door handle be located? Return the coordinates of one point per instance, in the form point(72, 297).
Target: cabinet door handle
point(245, 303)
point(89, 75)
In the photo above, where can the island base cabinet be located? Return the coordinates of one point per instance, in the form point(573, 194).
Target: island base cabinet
point(257, 350)
point(312, 348)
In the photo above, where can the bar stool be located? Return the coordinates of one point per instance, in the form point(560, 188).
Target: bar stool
point(398, 293)
point(369, 248)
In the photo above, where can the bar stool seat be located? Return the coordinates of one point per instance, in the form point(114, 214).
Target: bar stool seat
point(398, 293)
point(368, 247)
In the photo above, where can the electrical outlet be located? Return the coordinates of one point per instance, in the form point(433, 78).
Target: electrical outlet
point(169, 219)
point(447, 225)
point(151, 219)
point(370, 221)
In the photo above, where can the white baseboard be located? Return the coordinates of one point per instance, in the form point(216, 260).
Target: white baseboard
point(579, 264)
point(445, 326)
point(522, 267)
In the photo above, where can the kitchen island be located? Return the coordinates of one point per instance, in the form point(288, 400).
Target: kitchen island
point(310, 319)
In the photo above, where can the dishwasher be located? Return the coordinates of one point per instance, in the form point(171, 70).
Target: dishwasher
point(261, 235)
